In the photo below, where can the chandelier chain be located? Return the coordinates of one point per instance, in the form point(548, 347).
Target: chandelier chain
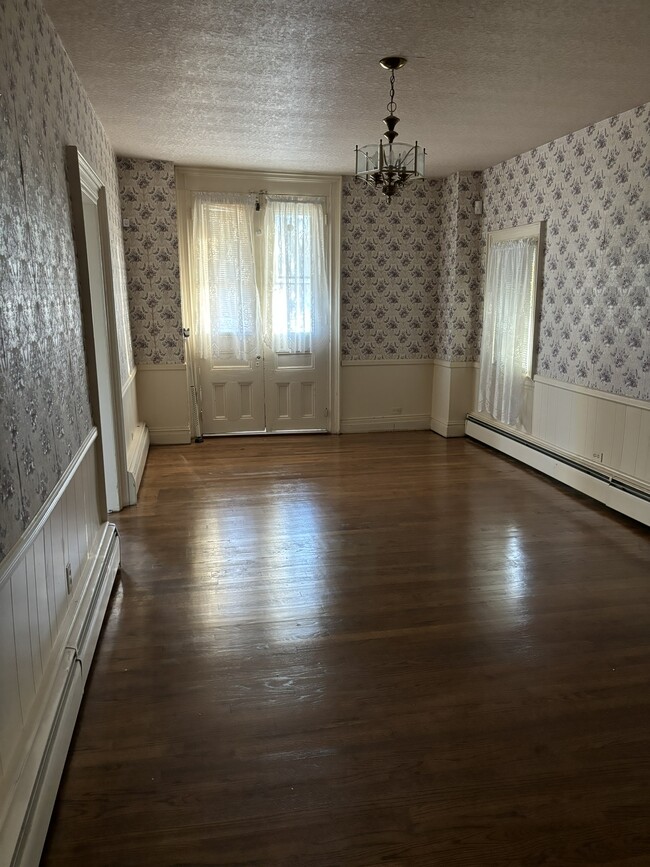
point(392, 105)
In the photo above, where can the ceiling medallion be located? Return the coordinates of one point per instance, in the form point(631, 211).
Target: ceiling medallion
point(390, 164)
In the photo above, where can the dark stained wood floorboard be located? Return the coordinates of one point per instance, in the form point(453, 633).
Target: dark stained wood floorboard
point(361, 650)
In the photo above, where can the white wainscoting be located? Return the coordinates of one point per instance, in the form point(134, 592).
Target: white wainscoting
point(597, 443)
point(453, 396)
point(130, 404)
point(605, 429)
point(163, 400)
point(136, 437)
point(386, 395)
point(47, 625)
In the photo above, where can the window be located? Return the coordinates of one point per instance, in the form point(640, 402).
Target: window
point(509, 322)
point(294, 269)
point(229, 268)
point(228, 305)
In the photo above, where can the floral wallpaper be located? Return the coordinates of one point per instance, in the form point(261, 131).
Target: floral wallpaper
point(593, 189)
point(389, 272)
point(148, 197)
point(44, 406)
point(458, 290)
point(411, 271)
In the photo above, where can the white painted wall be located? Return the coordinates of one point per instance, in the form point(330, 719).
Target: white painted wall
point(385, 395)
point(163, 402)
point(375, 396)
point(453, 396)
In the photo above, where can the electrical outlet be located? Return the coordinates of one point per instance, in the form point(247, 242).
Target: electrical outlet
point(598, 456)
point(68, 577)
point(397, 410)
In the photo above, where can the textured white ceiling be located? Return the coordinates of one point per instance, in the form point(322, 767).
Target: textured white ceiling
point(293, 85)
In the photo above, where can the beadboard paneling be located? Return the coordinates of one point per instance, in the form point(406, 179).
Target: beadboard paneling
point(35, 605)
point(10, 709)
point(602, 428)
point(130, 404)
point(48, 634)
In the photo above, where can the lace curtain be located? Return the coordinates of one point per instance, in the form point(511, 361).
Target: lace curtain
point(227, 309)
point(507, 328)
point(295, 273)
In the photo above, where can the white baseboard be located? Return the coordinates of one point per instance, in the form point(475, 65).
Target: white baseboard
point(448, 429)
point(136, 460)
point(574, 472)
point(385, 423)
point(39, 781)
point(33, 791)
point(170, 436)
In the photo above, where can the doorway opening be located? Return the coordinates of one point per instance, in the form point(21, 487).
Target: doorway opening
point(259, 271)
point(90, 225)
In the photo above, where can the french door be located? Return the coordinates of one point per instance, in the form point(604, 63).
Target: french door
point(261, 302)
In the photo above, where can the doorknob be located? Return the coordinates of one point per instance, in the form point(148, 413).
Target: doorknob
point(258, 357)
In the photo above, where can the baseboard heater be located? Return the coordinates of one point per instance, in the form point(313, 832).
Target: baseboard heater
point(596, 483)
point(37, 782)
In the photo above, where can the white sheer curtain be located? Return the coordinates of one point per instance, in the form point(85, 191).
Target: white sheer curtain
point(227, 309)
point(507, 328)
point(295, 273)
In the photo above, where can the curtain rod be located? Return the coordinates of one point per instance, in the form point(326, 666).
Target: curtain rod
point(257, 194)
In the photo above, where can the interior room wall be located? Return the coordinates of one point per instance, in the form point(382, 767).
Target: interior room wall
point(412, 272)
point(592, 188)
point(458, 290)
point(390, 257)
point(59, 557)
point(458, 302)
point(149, 221)
point(148, 199)
point(390, 260)
point(411, 293)
point(591, 392)
point(43, 387)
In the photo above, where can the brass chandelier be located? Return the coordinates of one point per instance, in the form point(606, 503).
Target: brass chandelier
point(390, 164)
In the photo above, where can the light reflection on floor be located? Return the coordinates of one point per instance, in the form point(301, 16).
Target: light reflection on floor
point(516, 567)
point(269, 580)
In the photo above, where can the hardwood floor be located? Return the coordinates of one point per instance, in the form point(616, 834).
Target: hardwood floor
point(359, 650)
